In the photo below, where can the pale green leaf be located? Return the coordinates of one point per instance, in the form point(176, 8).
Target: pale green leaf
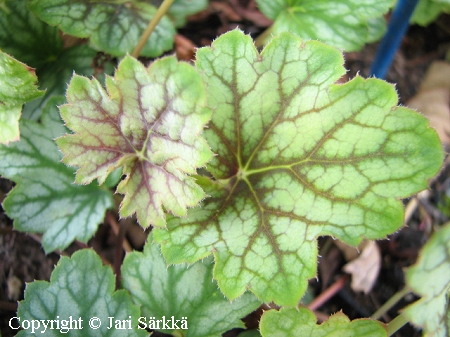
point(340, 23)
point(17, 86)
point(297, 157)
point(149, 122)
point(430, 278)
point(45, 198)
point(112, 26)
point(182, 291)
point(428, 10)
point(292, 322)
point(80, 289)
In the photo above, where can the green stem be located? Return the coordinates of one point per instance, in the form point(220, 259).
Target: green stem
point(259, 42)
point(397, 323)
point(151, 26)
point(391, 302)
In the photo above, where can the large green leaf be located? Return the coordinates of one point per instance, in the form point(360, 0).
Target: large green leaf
point(182, 292)
point(292, 322)
point(340, 23)
point(81, 290)
point(112, 26)
point(17, 86)
point(297, 157)
point(45, 198)
point(149, 122)
point(430, 278)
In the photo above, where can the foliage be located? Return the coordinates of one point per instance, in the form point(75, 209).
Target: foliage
point(428, 10)
point(346, 24)
point(289, 322)
point(248, 156)
point(429, 279)
point(297, 157)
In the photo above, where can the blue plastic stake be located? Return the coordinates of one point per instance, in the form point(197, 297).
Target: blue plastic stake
point(391, 41)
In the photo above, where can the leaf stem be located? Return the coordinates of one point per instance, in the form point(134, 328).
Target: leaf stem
point(397, 323)
point(259, 42)
point(151, 26)
point(391, 302)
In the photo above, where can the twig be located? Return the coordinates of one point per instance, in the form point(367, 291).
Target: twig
point(151, 26)
point(328, 293)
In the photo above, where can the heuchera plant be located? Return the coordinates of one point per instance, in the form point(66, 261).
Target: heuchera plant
point(247, 156)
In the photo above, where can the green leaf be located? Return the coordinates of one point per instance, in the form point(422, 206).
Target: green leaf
point(112, 26)
point(429, 278)
point(297, 157)
point(45, 198)
point(340, 23)
point(32, 41)
point(181, 9)
point(150, 123)
point(82, 289)
point(180, 292)
point(292, 322)
point(17, 86)
point(428, 10)
point(26, 37)
point(55, 75)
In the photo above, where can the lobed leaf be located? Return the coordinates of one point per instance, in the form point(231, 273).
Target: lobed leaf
point(149, 122)
point(112, 26)
point(17, 86)
point(79, 288)
point(293, 322)
point(429, 278)
point(297, 157)
point(341, 23)
point(182, 292)
point(45, 198)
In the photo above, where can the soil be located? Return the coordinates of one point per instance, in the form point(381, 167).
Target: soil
point(23, 260)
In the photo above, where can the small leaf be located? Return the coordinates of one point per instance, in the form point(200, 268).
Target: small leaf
point(150, 123)
point(428, 10)
point(292, 322)
point(429, 278)
point(340, 23)
point(297, 158)
point(182, 291)
point(17, 86)
point(45, 198)
point(82, 289)
point(112, 26)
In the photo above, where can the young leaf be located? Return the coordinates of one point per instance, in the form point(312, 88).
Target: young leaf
point(182, 292)
point(45, 198)
point(292, 322)
point(112, 26)
point(429, 278)
point(82, 289)
point(340, 23)
point(17, 86)
point(297, 157)
point(150, 123)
